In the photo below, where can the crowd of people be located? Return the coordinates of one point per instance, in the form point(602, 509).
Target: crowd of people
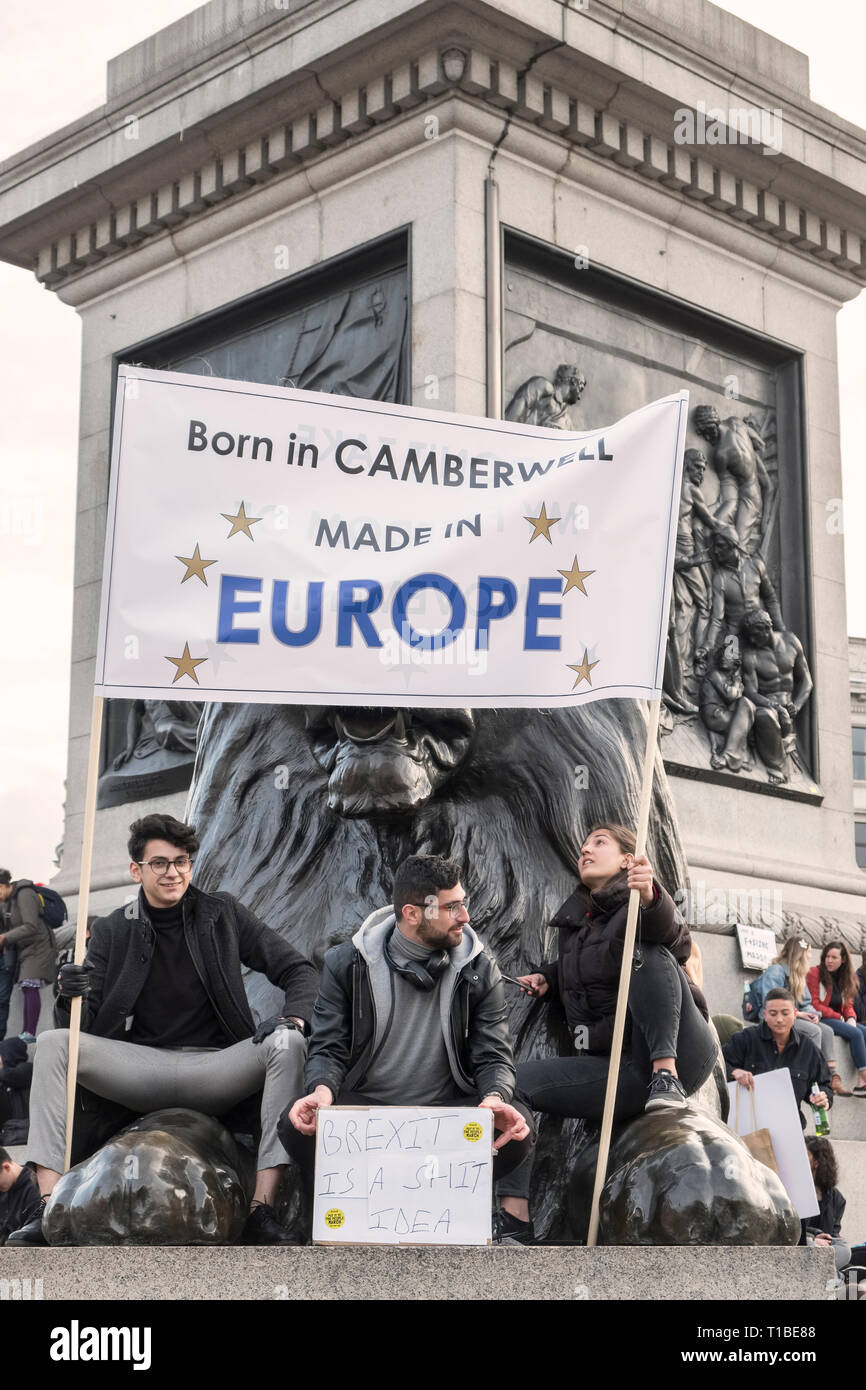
point(411, 1011)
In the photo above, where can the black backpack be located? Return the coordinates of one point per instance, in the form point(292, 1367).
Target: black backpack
point(752, 1003)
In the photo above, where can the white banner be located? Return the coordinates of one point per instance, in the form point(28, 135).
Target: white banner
point(282, 546)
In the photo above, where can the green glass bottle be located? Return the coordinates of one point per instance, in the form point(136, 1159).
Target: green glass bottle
point(819, 1115)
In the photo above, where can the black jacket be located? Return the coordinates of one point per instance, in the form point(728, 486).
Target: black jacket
point(831, 1209)
point(222, 935)
point(585, 976)
point(20, 1204)
point(16, 1075)
point(341, 1042)
point(755, 1050)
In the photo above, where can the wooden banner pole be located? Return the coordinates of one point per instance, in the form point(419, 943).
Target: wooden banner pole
point(83, 904)
point(624, 974)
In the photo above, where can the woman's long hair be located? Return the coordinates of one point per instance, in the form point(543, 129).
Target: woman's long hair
point(826, 1172)
point(795, 955)
point(846, 979)
point(694, 966)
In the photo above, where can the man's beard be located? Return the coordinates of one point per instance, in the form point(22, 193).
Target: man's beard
point(437, 938)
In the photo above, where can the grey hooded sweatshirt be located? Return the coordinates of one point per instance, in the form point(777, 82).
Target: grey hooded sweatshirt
point(413, 1067)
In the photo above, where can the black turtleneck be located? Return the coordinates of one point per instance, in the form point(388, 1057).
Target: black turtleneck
point(173, 1009)
point(835, 1000)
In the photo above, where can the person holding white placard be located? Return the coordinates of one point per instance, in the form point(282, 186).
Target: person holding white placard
point(411, 1012)
point(789, 970)
point(776, 1044)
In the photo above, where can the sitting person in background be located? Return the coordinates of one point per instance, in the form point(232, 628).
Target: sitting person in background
point(824, 1228)
point(833, 987)
point(20, 1200)
point(16, 1074)
point(726, 1026)
point(693, 966)
point(860, 996)
point(789, 971)
point(776, 1045)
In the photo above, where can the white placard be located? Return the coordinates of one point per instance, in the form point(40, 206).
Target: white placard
point(279, 546)
point(776, 1110)
point(757, 946)
point(396, 1175)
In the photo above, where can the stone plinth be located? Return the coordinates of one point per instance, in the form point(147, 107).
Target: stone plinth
point(360, 1274)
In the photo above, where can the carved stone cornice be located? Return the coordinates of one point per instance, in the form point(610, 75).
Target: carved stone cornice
point(139, 176)
point(816, 929)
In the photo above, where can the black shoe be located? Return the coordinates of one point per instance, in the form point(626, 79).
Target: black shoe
point(31, 1234)
point(665, 1092)
point(263, 1228)
point(508, 1230)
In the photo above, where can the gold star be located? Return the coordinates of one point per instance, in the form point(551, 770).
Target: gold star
point(195, 565)
point(582, 670)
point(574, 578)
point(240, 522)
point(542, 524)
point(186, 664)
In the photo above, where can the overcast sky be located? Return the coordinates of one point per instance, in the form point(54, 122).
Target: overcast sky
point(53, 70)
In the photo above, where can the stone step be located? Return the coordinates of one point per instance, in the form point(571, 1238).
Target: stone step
point(290, 1273)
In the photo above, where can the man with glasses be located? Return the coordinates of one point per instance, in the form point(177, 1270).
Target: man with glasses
point(411, 1011)
point(165, 1020)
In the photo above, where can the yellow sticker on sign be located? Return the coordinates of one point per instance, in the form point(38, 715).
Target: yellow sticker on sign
point(472, 1131)
point(334, 1218)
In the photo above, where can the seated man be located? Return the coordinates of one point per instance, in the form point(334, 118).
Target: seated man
point(165, 1019)
point(411, 1011)
point(19, 1195)
point(16, 1074)
point(775, 1044)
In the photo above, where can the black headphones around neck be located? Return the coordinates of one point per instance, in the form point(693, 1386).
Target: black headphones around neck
point(424, 975)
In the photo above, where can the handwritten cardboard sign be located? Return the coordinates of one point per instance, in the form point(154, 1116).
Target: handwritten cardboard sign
point(395, 1175)
point(757, 946)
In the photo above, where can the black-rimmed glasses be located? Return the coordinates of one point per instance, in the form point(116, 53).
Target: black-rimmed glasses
point(161, 866)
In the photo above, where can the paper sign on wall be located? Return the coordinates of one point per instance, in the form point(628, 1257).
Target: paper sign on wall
point(395, 1175)
point(757, 946)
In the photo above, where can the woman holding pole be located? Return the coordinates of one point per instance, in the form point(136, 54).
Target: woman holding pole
point(668, 1048)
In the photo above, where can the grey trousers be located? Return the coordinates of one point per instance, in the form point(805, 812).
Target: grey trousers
point(819, 1034)
point(153, 1078)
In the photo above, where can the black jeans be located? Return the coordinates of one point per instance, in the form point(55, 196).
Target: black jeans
point(665, 1022)
point(302, 1147)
